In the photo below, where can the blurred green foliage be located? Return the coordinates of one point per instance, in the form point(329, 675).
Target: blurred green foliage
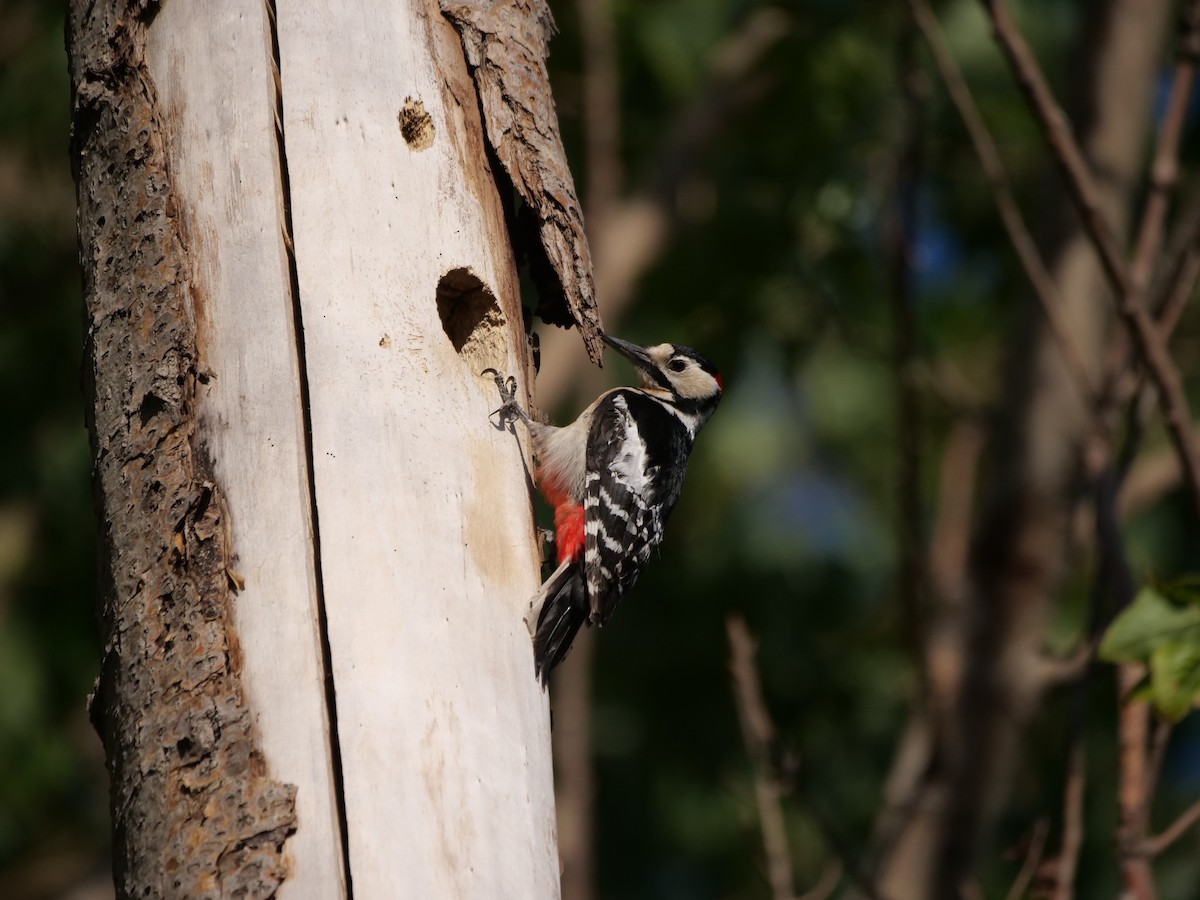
point(776, 272)
point(52, 784)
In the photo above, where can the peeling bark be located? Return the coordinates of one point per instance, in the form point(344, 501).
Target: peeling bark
point(194, 812)
point(506, 47)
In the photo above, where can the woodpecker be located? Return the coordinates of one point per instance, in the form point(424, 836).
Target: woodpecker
point(613, 476)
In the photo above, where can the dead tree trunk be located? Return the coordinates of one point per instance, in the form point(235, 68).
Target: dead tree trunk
point(317, 551)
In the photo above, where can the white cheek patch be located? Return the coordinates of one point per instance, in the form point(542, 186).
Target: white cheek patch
point(694, 384)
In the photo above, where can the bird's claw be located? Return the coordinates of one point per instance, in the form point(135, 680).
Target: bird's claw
point(507, 386)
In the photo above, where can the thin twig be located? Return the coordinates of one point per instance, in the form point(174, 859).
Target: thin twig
point(1072, 830)
point(758, 732)
point(997, 178)
point(1146, 336)
point(772, 782)
point(1158, 751)
point(1179, 268)
point(1132, 802)
point(1115, 578)
point(1182, 289)
point(1173, 832)
point(1164, 171)
point(1173, 285)
point(1033, 858)
point(1057, 131)
point(830, 878)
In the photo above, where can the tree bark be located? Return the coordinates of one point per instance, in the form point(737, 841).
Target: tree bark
point(318, 552)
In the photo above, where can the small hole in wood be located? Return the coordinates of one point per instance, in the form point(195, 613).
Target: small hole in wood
point(416, 125)
point(470, 316)
point(150, 407)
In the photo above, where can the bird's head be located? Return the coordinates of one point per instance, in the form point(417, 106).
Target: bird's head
point(669, 369)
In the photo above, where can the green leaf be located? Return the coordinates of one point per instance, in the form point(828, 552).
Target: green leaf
point(1149, 622)
point(1175, 678)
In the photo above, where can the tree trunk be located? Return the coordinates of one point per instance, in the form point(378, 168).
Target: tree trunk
point(318, 552)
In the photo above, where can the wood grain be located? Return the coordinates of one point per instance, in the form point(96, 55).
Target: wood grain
point(423, 506)
point(211, 67)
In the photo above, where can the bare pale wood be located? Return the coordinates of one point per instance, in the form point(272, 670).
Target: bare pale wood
point(210, 65)
point(420, 548)
point(423, 506)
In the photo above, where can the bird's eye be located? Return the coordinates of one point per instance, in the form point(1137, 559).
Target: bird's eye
point(677, 365)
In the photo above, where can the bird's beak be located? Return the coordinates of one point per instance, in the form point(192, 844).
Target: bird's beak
point(632, 352)
point(645, 365)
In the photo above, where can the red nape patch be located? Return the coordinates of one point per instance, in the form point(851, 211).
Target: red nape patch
point(568, 531)
point(720, 382)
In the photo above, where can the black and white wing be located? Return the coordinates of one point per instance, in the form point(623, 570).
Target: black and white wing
point(622, 521)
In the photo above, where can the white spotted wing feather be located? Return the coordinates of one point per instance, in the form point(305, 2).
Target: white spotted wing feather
point(621, 527)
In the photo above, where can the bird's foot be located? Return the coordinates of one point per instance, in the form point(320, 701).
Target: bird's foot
point(507, 386)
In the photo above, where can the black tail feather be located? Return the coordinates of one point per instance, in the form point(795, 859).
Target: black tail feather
point(563, 613)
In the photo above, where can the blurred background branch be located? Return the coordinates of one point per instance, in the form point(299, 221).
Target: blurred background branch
point(758, 734)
